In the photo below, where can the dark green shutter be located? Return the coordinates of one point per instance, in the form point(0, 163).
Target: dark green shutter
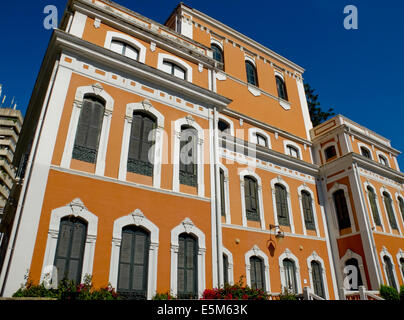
point(308, 211)
point(341, 209)
point(251, 198)
point(373, 206)
point(187, 273)
point(282, 205)
point(389, 271)
point(222, 194)
point(70, 249)
point(401, 204)
point(317, 276)
point(225, 269)
point(89, 130)
point(189, 157)
point(140, 144)
point(133, 263)
point(257, 277)
point(390, 212)
point(290, 275)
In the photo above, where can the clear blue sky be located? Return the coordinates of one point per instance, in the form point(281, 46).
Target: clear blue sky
point(359, 73)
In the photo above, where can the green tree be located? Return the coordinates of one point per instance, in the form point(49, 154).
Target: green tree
point(317, 115)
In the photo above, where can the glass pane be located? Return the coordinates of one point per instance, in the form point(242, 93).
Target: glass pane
point(179, 73)
point(117, 46)
point(131, 52)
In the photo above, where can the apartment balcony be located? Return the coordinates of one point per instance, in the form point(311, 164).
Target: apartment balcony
point(8, 143)
point(4, 191)
point(11, 123)
point(6, 166)
point(5, 152)
point(8, 133)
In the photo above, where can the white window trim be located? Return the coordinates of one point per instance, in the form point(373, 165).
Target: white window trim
point(257, 252)
point(313, 205)
point(367, 184)
point(138, 219)
point(226, 192)
point(279, 180)
point(280, 75)
point(253, 131)
point(362, 145)
point(147, 107)
point(228, 121)
point(230, 272)
point(95, 89)
point(383, 253)
point(216, 42)
point(379, 153)
point(400, 255)
point(75, 208)
point(349, 254)
point(384, 189)
point(187, 226)
point(397, 197)
point(176, 153)
point(167, 57)
point(337, 186)
point(287, 254)
point(111, 35)
point(242, 174)
point(293, 144)
point(315, 257)
point(329, 144)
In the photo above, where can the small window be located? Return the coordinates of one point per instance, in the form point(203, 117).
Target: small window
point(223, 126)
point(222, 194)
point(341, 208)
point(257, 273)
point(366, 153)
point(402, 266)
point(330, 153)
point(187, 267)
point(261, 140)
point(388, 202)
point(317, 276)
point(225, 269)
point(174, 69)
point(401, 205)
point(217, 53)
point(280, 85)
point(383, 160)
point(292, 151)
point(188, 156)
point(124, 49)
point(251, 73)
point(251, 198)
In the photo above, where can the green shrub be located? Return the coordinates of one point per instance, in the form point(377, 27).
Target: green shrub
point(389, 293)
point(68, 290)
point(164, 296)
point(287, 295)
point(402, 293)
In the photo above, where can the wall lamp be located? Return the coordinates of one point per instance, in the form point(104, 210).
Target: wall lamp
point(279, 234)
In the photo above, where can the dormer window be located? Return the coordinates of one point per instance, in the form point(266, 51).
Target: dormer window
point(124, 49)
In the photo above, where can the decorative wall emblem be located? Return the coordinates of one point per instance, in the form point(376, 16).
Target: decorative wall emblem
point(138, 217)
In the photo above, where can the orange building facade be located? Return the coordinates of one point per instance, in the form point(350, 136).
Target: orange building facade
point(178, 157)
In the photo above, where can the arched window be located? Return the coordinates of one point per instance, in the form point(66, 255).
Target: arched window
point(282, 210)
point(261, 140)
point(292, 151)
point(140, 159)
point(388, 202)
point(290, 275)
point(317, 276)
point(308, 211)
point(89, 129)
point(330, 153)
point(341, 208)
point(354, 263)
point(366, 153)
point(251, 73)
point(389, 268)
point(383, 161)
point(402, 266)
point(251, 198)
point(280, 85)
point(70, 249)
point(223, 126)
point(174, 69)
point(188, 156)
point(373, 205)
point(124, 49)
point(187, 285)
point(133, 263)
point(217, 53)
point(257, 273)
point(401, 205)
